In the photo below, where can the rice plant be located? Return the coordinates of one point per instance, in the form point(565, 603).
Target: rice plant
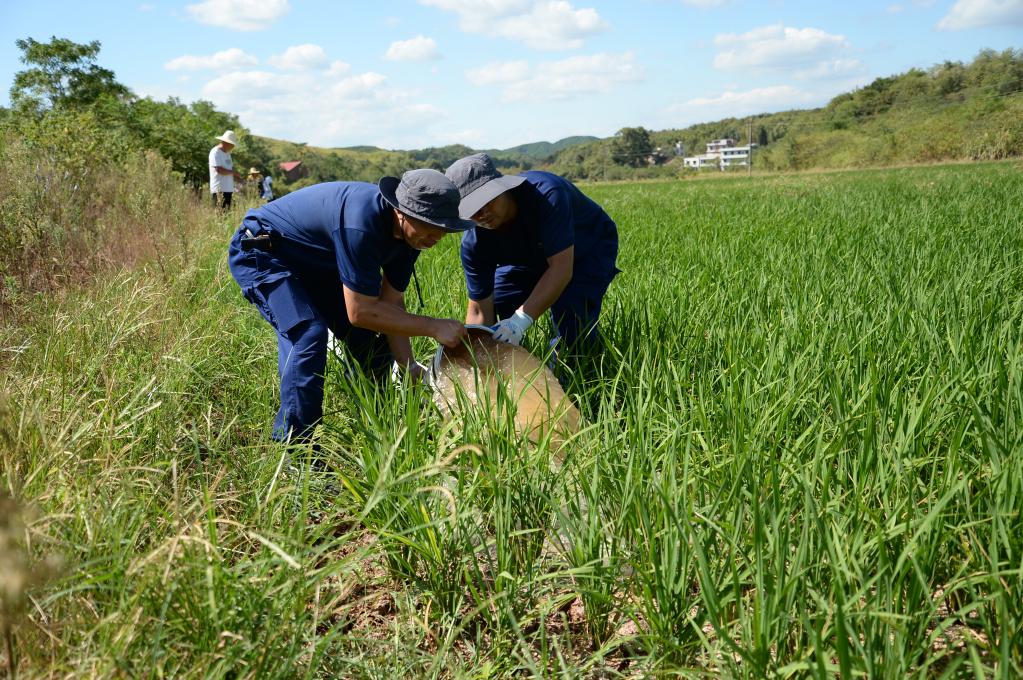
point(802, 455)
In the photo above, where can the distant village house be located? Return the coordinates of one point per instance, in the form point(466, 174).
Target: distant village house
point(721, 153)
point(294, 170)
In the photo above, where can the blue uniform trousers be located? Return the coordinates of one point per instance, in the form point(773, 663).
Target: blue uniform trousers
point(301, 306)
point(575, 313)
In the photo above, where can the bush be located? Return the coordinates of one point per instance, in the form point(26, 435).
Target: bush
point(79, 200)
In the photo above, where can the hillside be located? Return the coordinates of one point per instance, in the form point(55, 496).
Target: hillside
point(369, 163)
point(951, 111)
point(541, 151)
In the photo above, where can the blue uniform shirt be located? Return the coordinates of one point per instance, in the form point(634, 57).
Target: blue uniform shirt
point(552, 215)
point(339, 229)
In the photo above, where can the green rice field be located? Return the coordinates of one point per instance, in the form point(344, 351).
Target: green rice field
point(802, 457)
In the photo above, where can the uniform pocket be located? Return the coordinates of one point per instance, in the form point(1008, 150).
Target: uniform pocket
point(284, 303)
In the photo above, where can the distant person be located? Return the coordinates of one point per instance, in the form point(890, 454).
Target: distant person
point(538, 244)
point(679, 150)
point(260, 184)
point(266, 190)
point(222, 173)
point(339, 256)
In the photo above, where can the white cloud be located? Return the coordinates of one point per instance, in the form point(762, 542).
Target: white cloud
point(832, 69)
point(894, 9)
point(978, 13)
point(539, 24)
point(239, 15)
point(299, 58)
point(562, 79)
point(743, 103)
point(419, 48)
point(240, 85)
point(777, 47)
point(338, 68)
point(777, 95)
point(226, 60)
point(499, 73)
point(347, 109)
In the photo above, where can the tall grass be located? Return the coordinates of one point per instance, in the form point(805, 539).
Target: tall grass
point(803, 457)
point(81, 204)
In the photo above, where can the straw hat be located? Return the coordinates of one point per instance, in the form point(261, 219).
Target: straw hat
point(229, 137)
point(254, 171)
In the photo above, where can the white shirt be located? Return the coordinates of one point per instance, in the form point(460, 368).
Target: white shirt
point(218, 182)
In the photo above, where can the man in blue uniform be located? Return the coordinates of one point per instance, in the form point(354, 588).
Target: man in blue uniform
point(538, 244)
point(339, 256)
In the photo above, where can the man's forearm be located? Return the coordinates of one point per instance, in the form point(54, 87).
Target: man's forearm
point(390, 319)
point(401, 348)
point(480, 311)
point(546, 291)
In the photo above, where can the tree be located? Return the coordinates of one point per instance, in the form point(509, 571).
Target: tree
point(184, 135)
point(631, 146)
point(62, 73)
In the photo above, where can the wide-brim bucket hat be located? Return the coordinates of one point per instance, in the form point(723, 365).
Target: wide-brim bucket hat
point(254, 171)
point(229, 137)
point(479, 182)
point(425, 195)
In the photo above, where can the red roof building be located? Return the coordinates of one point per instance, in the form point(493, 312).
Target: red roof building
point(294, 170)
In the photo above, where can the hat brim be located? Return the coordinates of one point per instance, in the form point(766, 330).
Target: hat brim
point(222, 138)
point(473, 201)
point(389, 185)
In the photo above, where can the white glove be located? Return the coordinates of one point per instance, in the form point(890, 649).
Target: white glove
point(416, 370)
point(512, 329)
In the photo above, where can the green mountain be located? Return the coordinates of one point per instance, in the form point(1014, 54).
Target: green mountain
point(540, 151)
point(363, 148)
point(951, 111)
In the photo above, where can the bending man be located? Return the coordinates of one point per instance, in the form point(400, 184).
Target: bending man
point(339, 256)
point(538, 244)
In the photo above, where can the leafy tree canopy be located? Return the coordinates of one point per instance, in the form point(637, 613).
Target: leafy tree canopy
point(62, 73)
point(631, 146)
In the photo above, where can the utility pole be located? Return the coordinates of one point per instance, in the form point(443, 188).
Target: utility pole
point(749, 157)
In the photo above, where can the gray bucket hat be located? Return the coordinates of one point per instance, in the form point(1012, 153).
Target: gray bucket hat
point(479, 182)
point(427, 196)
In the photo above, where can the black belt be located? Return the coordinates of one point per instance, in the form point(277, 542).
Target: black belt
point(264, 241)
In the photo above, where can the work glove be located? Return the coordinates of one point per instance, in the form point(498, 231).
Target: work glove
point(418, 372)
point(512, 329)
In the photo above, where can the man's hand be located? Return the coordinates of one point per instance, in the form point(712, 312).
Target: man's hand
point(449, 332)
point(512, 329)
point(418, 372)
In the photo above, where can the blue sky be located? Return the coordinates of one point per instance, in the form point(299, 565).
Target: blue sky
point(496, 73)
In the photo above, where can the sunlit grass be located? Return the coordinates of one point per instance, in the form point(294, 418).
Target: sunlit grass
point(802, 456)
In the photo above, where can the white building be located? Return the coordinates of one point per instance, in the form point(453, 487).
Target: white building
point(702, 161)
point(721, 153)
point(716, 145)
point(735, 155)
